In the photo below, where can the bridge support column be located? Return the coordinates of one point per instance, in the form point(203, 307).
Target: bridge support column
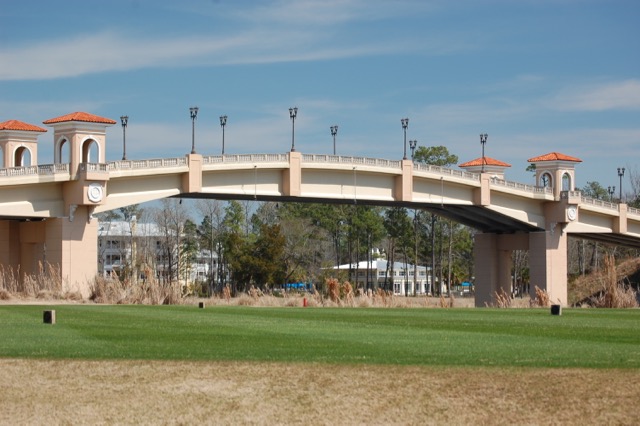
point(9, 248)
point(65, 248)
point(492, 262)
point(548, 263)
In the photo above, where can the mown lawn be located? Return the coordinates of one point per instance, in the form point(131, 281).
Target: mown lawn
point(585, 338)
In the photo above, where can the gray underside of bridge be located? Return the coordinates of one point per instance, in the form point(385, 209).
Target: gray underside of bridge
point(477, 217)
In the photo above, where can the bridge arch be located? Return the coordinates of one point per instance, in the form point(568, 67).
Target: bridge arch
point(22, 157)
point(546, 180)
point(567, 182)
point(62, 151)
point(90, 150)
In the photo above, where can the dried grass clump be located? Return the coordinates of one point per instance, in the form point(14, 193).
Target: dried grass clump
point(333, 287)
point(226, 293)
point(614, 293)
point(364, 302)
point(150, 292)
point(541, 300)
point(347, 293)
point(255, 292)
point(447, 302)
point(503, 299)
point(75, 296)
point(246, 300)
point(107, 290)
point(47, 278)
point(383, 298)
point(5, 295)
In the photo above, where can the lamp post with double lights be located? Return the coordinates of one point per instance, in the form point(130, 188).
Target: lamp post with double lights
point(405, 124)
point(223, 122)
point(193, 112)
point(293, 113)
point(334, 132)
point(483, 142)
point(412, 145)
point(611, 190)
point(124, 119)
point(620, 175)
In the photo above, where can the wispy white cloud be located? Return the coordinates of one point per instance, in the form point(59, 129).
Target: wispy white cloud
point(624, 95)
point(271, 32)
point(109, 51)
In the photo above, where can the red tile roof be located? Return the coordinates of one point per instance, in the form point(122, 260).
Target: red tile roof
point(488, 161)
point(554, 156)
point(20, 125)
point(80, 116)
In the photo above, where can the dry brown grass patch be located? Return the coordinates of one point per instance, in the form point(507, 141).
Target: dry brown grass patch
point(158, 392)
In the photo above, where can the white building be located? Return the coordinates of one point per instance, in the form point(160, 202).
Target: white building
point(407, 279)
point(120, 241)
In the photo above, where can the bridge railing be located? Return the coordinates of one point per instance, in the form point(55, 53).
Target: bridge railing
point(43, 169)
point(521, 186)
point(633, 210)
point(599, 203)
point(341, 159)
point(93, 167)
point(155, 163)
point(446, 171)
point(245, 158)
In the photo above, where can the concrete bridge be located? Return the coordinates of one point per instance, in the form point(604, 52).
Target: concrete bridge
point(46, 211)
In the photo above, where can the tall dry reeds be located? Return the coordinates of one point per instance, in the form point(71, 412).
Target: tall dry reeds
point(541, 300)
point(149, 292)
point(503, 299)
point(46, 280)
point(614, 293)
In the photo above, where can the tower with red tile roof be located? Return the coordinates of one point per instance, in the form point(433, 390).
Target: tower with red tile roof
point(556, 171)
point(19, 143)
point(492, 166)
point(79, 137)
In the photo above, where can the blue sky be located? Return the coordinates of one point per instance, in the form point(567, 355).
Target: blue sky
point(536, 75)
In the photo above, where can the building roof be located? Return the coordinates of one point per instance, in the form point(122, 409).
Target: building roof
point(80, 116)
point(554, 156)
point(379, 264)
point(20, 125)
point(123, 228)
point(488, 161)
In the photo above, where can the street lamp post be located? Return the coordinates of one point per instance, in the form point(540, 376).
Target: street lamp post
point(611, 190)
point(334, 132)
point(620, 175)
point(124, 119)
point(293, 113)
point(405, 124)
point(412, 145)
point(193, 112)
point(483, 141)
point(223, 122)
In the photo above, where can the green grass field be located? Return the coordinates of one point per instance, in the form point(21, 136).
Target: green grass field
point(586, 338)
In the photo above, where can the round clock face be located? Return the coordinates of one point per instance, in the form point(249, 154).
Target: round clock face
point(572, 213)
point(94, 192)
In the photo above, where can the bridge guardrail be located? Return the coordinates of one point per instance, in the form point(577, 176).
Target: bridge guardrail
point(43, 169)
point(599, 203)
point(93, 167)
point(633, 210)
point(521, 186)
point(245, 158)
point(341, 159)
point(446, 171)
point(155, 163)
